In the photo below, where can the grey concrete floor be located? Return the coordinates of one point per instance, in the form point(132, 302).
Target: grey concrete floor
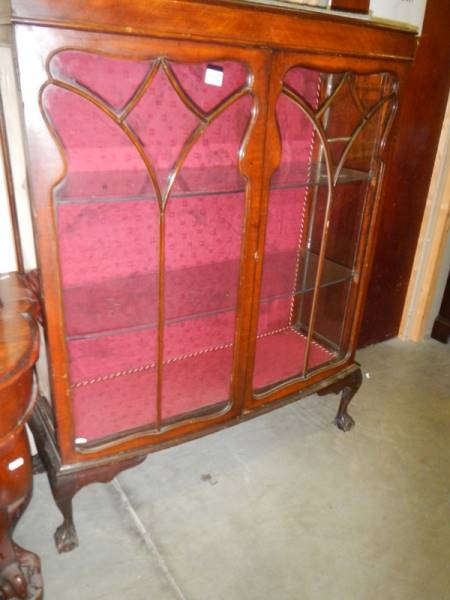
point(283, 507)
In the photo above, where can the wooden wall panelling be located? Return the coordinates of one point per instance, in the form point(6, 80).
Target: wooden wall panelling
point(419, 128)
point(430, 264)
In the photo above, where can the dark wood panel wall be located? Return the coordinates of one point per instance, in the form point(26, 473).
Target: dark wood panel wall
point(361, 6)
point(420, 123)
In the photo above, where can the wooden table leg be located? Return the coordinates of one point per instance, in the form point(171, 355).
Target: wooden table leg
point(20, 574)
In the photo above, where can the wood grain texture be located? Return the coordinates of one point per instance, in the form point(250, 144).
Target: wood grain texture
point(190, 31)
point(228, 22)
point(359, 6)
point(36, 43)
point(19, 345)
point(420, 121)
point(18, 335)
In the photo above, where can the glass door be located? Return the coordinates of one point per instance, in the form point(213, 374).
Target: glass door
point(149, 218)
point(331, 126)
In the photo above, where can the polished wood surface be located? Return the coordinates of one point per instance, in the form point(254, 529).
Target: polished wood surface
point(360, 6)
point(19, 345)
point(189, 31)
point(420, 120)
point(226, 22)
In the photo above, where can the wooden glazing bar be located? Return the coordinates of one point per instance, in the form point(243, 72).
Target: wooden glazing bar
point(321, 133)
point(161, 323)
point(140, 91)
point(127, 130)
point(324, 91)
point(367, 117)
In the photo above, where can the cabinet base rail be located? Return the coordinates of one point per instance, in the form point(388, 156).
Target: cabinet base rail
point(65, 483)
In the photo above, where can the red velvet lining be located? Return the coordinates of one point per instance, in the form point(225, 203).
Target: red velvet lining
point(190, 384)
point(109, 237)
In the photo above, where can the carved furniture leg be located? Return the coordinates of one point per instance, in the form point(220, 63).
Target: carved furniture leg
point(19, 569)
point(12, 580)
point(19, 346)
point(64, 487)
point(347, 387)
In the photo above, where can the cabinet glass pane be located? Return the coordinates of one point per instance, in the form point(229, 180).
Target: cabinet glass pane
point(331, 127)
point(149, 217)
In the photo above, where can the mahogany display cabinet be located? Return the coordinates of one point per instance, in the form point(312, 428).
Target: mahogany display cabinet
point(205, 180)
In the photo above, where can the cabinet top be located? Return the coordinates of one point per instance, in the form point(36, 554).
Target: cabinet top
point(255, 22)
point(19, 339)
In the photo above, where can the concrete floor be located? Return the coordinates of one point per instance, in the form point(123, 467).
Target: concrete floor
point(284, 507)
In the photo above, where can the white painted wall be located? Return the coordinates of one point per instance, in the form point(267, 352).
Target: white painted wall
point(405, 11)
point(9, 94)
point(7, 253)
point(17, 156)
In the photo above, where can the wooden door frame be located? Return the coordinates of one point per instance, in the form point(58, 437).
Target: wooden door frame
point(430, 265)
point(281, 64)
point(48, 168)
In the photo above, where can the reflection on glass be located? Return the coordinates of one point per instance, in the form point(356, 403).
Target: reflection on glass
point(331, 127)
point(149, 219)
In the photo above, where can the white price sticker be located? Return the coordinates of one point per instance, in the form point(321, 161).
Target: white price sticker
point(214, 75)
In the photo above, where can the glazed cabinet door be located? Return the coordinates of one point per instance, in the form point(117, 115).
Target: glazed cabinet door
point(323, 169)
point(142, 232)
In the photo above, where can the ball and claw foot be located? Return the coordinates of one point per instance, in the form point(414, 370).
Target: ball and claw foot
point(66, 538)
point(12, 583)
point(22, 580)
point(344, 422)
point(347, 386)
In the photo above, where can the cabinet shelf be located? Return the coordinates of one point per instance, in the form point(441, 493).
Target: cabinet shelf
point(122, 186)
point(184, 391)
point(131, 302)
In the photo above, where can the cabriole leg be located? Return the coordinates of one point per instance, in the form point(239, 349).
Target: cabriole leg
point(64, 489)
point(347, 387)
point(20, 574)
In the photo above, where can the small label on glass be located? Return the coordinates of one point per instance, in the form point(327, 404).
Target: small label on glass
point(214, 75)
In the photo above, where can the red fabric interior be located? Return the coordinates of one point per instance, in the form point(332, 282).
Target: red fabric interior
point(109, 236)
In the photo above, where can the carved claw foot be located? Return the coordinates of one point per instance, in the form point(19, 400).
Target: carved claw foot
point(65, 486)
point(22, 580)
point(12, 583)
point(347, 387)
point(66, 538)
point(344, 422)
